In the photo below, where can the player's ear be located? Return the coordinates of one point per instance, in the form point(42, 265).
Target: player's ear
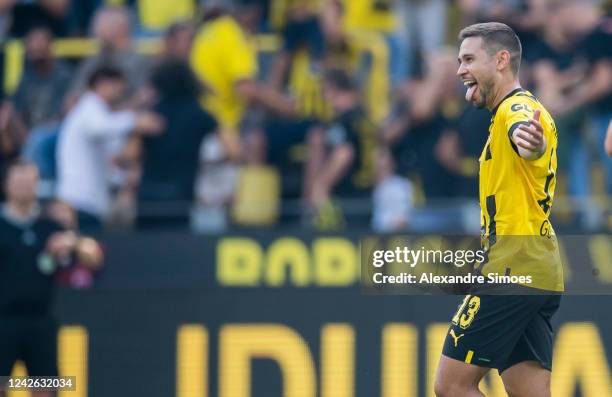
point(503, 59)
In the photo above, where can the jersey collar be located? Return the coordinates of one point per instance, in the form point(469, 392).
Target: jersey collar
point(514, 91)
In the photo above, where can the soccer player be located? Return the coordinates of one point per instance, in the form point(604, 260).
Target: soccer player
point(511, 333)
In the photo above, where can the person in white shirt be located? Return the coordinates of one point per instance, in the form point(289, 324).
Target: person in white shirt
point(392, 196)
point(82, 153)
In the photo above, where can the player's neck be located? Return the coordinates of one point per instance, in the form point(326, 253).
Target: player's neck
point(502, 91)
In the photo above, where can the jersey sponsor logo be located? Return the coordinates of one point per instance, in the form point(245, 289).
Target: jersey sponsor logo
point(545, 228)
point(520, 106)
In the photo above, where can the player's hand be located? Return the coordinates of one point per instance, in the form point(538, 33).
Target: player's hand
point(530, 137)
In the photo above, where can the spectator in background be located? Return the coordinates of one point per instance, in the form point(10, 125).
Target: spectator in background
point(112, 29)
point(83, 158)
point(342, 158)
point(459, 148)
point(392, 197)
point(39, 99)
point(595, 90)
point(12, 134)
point(170, 160)
point(40, 95)
point(32, 246)
point(301, 31)
point(425, 25)
point(178, 41)
point(297, 69)
point(176, 48)
point(560, 64)
point(419, 121)
point(224, 59)
point(51, 13)
point(355, 35)
point(561, 71)
point(372, 20)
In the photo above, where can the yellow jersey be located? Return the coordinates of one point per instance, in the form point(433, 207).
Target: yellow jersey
point(305, 86)
point(516, 197)
point(158, 15)
point(223, 55)
point(376, 15)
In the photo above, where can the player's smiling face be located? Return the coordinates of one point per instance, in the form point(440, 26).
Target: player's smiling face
point(476, 71)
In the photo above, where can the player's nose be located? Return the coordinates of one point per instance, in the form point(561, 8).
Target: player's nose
point(461, 70)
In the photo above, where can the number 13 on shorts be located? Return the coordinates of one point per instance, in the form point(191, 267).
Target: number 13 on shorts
point(467, 311)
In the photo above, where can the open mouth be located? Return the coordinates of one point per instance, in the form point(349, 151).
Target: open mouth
point(471, 85)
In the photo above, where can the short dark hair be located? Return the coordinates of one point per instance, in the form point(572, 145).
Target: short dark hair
point(340, 79)
point(174, 78)
point(105, 72)
point(496, 36)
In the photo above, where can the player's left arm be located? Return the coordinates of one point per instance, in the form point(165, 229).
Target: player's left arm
point(528, 137)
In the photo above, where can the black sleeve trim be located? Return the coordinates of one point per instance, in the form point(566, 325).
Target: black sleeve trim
point(492, 211)
point(511, 131)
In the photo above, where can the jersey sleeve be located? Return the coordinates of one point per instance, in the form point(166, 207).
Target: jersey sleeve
point(238, 64)
point(519, 110)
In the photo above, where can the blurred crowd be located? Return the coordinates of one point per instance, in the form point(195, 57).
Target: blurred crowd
point(320, 113)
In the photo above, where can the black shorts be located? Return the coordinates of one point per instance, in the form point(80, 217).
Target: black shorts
point(31, 339)
point(499, 331)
